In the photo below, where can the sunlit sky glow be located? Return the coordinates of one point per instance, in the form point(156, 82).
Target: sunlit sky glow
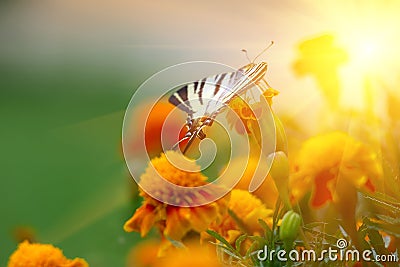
point(155, 34)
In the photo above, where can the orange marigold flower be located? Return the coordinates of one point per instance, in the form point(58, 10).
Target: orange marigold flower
point(247, 209)
point(242, 116)
point(327, 159)
point(173, 221)
point(153, 117)
point(194, 255)
point(36, 255)
point(247, 114)
point(269, 94)
point(144, 254)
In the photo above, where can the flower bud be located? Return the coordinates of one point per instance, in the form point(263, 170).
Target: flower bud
point(279, 168)
point(280, 174)
point(281, 139)
point(290, 227)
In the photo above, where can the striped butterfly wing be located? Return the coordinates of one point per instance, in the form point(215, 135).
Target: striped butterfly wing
point(209, 96)
point(243, 79)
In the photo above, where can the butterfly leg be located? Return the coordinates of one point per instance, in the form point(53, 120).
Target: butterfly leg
point(263, 84)
point(189, 122)
point(201, 134)
point(180, 141)
point(191, 139)
point(207, 122)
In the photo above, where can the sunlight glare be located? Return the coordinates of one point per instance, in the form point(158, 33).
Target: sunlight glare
point(366, 53)
point(369, 48)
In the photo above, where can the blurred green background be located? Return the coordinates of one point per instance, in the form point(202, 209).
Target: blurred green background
point(62, 169)
point(62, 103)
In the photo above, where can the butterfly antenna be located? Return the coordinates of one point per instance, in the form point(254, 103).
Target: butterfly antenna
point(247, 56)
point(262, 52)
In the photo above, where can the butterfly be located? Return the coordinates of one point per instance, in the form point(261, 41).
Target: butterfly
point(204, 99)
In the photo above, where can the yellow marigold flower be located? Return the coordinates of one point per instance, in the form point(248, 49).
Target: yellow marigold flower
point(248, 209)
point(267, 192)
point(269, 94)
point(324, 159)
point(173, 221)
point(42, 255)
point(321, 58)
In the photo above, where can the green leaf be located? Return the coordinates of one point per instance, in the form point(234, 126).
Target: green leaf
point(238, 221)
point(277, 214)
point(221, 239)
point(385, 202)
point(252, 248)
point(260, 240)
point(377, 242)
point(388, 228)
point(267, 230)
point(388, 219)
point(239, 241)
point(225, 250)
point(315, 224)
point(176, 243)
point(329, 238)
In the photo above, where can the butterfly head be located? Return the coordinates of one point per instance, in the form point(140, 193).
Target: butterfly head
point(262, 66)
point(195, 126)
point(253, 69)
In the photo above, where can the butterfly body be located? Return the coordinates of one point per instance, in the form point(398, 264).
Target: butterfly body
point(204, 99)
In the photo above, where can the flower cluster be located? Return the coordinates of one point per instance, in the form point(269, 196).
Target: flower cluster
point(35, 255)
point(174, 221)
point(337, 174)
point(245, 211)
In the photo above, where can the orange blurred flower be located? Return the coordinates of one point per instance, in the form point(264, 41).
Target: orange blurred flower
point(334, 167)
point(333, 161)
point(153, 118)
point(173, 221)
point(267, 192)
point(247, 209)
point(144, 254)
point(34, 255)
point(193, 255)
